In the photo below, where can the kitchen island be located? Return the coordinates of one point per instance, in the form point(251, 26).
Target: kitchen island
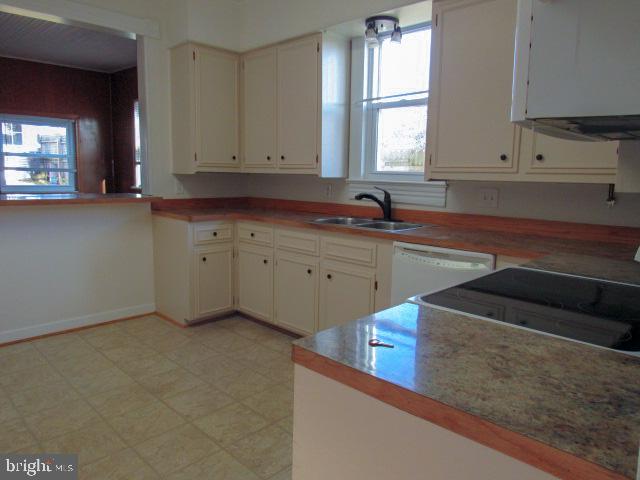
point(458, 397)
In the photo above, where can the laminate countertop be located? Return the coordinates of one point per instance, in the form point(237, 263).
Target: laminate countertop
point(47, 199)
point(568, 408)
point(473, 239)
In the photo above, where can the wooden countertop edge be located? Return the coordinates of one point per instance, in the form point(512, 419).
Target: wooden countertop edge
point(533, 452)
point(402, 237)
point(75, 201)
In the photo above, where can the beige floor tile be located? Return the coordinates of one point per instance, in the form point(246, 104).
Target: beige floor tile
point(122, 465)
point(92, 383)
point(174, 450)
point(248, 329)
point(279, 342)
point(7, 410)
point(231, 423)
point(244, 383)
point(279, 369)
point(266, 452)
point(286, 424)
point(100, 330)
point(283, 475)
point(145, 326)
point(219, 466)
point(166, 341)
point(213, 369)
point(225, 341)
point(131, 352)
point(15, 436)
point(61, 419)
point(147, 366)
point(256, 353)
point(43, 397)
point(170, 383)
point(30, 378)
point(16, 348)
point(21, 360)
point(87, 364)
point(60, 347)
point(136, 426)
point(90, 443)
point(198, 402)
point(103, 340)
point(191, 353)
point(120, 400)
point(273, 403)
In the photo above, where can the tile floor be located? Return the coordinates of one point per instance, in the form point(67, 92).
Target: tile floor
point(144, 399)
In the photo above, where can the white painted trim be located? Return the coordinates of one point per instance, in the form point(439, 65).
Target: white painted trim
point(430, 194)
point(70, 323)
point(70, 12)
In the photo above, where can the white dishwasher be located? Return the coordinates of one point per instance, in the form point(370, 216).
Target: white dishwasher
point(420, 269)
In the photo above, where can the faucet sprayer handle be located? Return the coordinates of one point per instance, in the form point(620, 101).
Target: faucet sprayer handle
point(386, 193)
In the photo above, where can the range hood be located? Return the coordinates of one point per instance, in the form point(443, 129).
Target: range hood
point(577, 68)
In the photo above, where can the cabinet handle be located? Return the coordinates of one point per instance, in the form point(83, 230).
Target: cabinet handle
point(309, 271)
point(504, 157)
point(265, 261)
point(329, 276)
point(540, 157)
point(204, 259)
point(253, 234)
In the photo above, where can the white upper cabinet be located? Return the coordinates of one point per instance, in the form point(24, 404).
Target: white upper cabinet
point(259, 108)
point(205, 109)
point(298, 82)
point(296, 107)
point(469, 133)
point(470, 100)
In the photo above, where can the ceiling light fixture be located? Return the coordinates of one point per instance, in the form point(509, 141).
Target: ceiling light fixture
point(380, 25)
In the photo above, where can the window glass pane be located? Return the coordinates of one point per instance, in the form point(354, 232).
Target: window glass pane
point(401, 139)
point(404, 67)
point(34, 138)
point(136, 126)
point(11, 161)
point(36, 177)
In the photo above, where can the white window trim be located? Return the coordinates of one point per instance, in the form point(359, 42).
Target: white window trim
point(71, 155)
point(406, 188)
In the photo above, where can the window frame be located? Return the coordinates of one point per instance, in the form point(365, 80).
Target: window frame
point(70, 126)
point(372, 108)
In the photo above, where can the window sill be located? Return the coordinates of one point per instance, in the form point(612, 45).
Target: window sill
point(430, 194)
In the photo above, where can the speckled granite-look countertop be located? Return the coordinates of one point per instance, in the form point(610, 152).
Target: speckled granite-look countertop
point(569, 408)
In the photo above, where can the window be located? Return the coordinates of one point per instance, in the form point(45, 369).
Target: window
point(37, 155)
point(137, 153)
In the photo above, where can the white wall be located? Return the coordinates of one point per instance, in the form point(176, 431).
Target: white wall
point(63, 267)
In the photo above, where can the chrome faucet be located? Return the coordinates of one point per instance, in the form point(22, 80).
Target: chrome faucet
point(385, 204)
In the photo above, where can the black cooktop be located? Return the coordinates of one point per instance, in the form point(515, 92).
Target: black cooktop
point(589, 310)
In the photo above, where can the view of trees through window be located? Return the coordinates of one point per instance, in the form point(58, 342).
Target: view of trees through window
point(37, 155)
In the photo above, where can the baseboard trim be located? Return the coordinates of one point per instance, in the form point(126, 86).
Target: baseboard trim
point(73, 324)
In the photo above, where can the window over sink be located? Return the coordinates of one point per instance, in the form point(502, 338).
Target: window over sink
point(37, 155)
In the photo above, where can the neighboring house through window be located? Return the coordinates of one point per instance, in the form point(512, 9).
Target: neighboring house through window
point(37, 155)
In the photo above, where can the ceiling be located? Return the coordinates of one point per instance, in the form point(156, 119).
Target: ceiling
point(54, 43)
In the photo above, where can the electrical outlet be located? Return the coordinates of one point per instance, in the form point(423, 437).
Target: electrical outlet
point(488, 197)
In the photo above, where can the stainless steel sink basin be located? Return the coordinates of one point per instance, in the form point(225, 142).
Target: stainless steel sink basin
point(368, 223)
point(391, 226)
point(342, 221)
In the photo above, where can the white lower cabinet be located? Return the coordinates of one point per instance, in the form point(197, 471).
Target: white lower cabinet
point(213, 280)
point(296, 292)
point(255, 281)
point(346, 293)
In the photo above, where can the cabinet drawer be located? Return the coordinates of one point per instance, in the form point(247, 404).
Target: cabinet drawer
point(205, 233)
point(352, 251)
point(256, 234)
point(298, 242)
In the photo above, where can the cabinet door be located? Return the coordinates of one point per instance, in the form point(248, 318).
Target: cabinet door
point(547, 154)
point(217, 107)
point(296, 292)
point(213, 280)
point(259, 107)
point(346, 293)
point(298, 97)
point(469, 127)
point(255, 282)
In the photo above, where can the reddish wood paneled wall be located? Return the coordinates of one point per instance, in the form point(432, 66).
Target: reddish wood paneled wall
point(124, 92)
point(30, 88)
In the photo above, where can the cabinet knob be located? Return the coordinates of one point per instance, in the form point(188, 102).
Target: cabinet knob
point(265, 261)
point(233, 158)
point(540, 157)
point(281, 157)
point(504, 157)
point(309, 271)
point(215, 234)
point(269, 158)
point(253, 234)
point(204, 259)
point(329, 276)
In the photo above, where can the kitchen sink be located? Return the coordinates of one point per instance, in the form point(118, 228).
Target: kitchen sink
point(368, 223)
